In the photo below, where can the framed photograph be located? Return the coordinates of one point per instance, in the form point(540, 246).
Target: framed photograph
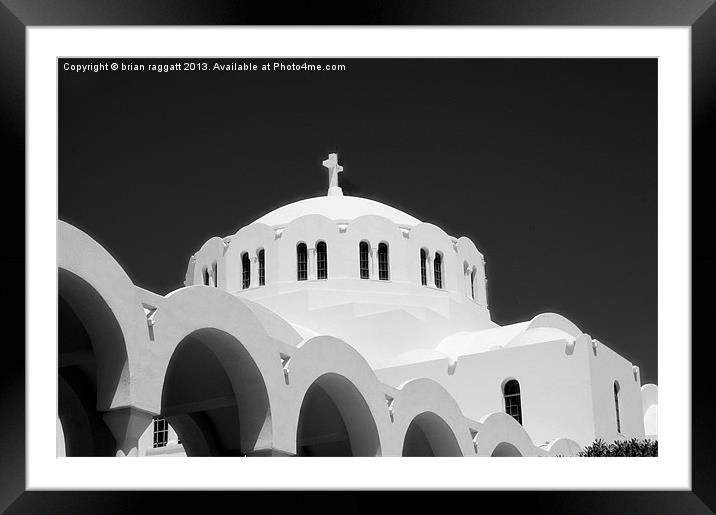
point(415, 244)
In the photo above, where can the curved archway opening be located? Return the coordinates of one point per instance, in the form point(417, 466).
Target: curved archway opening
point(506, 450)
point(92, 363)
point(335, 420)
point(215, 398)
point(429, 435)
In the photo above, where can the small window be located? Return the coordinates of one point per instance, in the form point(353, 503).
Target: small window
point(302, 261)
point(438, 263)
point(161, 432)
point(472, 282)
point(245, 270)
point(363, 255)
point(262, 267)
point(513, 402)
point(383, 264)
point(206, 276)
point(322, 260)
point(423, 267)
point(215, 271)
point(616, 406)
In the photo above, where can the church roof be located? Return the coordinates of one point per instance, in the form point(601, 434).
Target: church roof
point(545, 327)
point(471, 342)
point(335, 205)
point(338, 207)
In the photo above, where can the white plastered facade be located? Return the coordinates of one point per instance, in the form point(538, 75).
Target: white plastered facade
point(346, 360)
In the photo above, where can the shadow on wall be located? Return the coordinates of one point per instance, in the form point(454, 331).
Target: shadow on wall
point(92, 360)
point(214, 396)
point(506, 450)
point(335, 420)
point(428, 435)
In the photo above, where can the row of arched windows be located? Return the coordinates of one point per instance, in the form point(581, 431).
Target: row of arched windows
point(364, 261)
point(322, 261)
point(209, 275)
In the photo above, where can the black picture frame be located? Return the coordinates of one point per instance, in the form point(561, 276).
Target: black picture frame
point(17, 15)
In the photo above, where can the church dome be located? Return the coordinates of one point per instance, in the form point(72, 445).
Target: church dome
point(338, 208)
point(355, 269)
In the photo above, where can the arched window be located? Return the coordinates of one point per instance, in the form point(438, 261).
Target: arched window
point(438, 264)
point(302, 261)
point(616, 406)
point(262, 267)
point(423, 267)
point(245, 270)
point(472, 283)
point(206, 276)
point(513, 403)
point(383, 265)
point(363, 256)
point(322, 260)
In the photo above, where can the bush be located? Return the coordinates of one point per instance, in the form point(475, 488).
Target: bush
point(621, 448)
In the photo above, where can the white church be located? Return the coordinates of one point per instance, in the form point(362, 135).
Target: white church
point(332, 326)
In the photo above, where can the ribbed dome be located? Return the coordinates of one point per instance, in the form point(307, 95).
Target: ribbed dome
point(337, 208)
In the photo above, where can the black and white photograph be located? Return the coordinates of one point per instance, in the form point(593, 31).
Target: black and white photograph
point(274, 257)
point(378, 243)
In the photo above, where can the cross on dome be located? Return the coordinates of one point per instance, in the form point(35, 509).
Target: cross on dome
point(333, 170)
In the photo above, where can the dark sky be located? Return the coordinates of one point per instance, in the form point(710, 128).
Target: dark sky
point(548, 165)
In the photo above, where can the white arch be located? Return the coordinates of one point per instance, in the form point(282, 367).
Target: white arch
point(100, 290)
point(554, 321)
point(562, 447)
point(497, 428)
point(210, 371)
point(197, 308)
point(352, 410)
point(309, 364)
point(418, 396)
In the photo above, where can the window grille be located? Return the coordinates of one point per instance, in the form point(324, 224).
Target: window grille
point(513, 402)
point(423, 267)
point(438, 264)
point(262, 267)
point(302, 261)
point(245, 270)
point(161, 432)
point(322, 260)
point(363, 254)
point(383, 265)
